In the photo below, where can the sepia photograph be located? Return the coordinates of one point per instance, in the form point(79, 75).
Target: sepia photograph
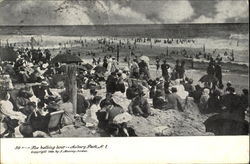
point(132, 68)
point(124, 81)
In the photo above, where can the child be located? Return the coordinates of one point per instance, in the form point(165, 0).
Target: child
point(90, 117)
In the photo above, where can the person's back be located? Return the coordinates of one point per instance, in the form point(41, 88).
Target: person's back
point(173, 101)
point(111, 83)
point(159, 101)
point(140, 106)
point(82, 104)
point(188, 87)
point(229, 98)
point(164, 68)
point(214, 103)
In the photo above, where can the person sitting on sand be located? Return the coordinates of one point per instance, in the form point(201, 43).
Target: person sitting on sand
point(144, 70)
point(67, 107)
point(108, 101)
point(91, 118)
point(160, 86)
point(214, 103)
point(42, 91)
point(159, 101)
point(39, 119)
point(139, 106)
point(164, 69)
point(9, 118)
point(93, 94)
point(120, 86)
point(23, 98)
point(180, 89)
point(111, 83)
point(28, 109)
point(174, 100)
point(188, 85)
point(82, 103)
point(196, 94)
point(203, 106)
point(230, 100)
point(7, 107)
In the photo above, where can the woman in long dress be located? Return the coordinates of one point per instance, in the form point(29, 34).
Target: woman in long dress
point(67, 107)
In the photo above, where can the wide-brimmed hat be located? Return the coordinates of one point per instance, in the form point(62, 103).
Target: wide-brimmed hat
point(121, 118)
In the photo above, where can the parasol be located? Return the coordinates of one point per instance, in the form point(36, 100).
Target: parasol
point(145, 58)
point(66, 58)
point(226, 124)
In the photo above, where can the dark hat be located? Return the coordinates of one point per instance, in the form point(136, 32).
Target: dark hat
point(93, 91)
point(173, 89)
point(53, 105)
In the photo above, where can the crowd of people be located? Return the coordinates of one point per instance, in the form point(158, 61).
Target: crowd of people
point(43, 92)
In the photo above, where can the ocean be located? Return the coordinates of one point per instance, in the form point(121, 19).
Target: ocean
point(222, 37)
point(154, 30)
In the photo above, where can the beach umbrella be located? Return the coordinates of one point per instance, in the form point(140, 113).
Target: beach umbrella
point(145, 58)
point(226, 124)
point(208, 78)
point(66, 58)
point(88, 66)
point(100, 69)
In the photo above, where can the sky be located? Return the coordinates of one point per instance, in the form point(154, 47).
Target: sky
point(92, 12)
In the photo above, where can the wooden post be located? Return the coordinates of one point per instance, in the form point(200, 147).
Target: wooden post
point(71, 88)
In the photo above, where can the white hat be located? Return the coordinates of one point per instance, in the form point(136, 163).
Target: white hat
point(121, 118)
